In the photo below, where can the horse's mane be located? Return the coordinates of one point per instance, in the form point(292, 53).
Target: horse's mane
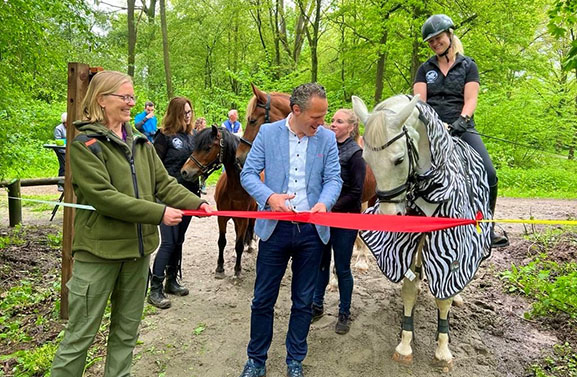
point(204, 140)
point(375, 130)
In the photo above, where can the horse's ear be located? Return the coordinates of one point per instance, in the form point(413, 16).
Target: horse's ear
point(360, 109)
point(406, 112)
point(260, 95)
point(214, 130)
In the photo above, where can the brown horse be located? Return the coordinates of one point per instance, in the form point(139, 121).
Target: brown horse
point(216, 147)
point(269, 107)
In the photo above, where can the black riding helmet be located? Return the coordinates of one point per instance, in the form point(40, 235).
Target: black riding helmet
point(435, 25)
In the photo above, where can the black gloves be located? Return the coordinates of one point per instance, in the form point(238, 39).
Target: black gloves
point(460, 126)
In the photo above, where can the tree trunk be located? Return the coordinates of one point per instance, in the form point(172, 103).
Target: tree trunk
point(166, 55)
point(131, 36)
point(381, 62)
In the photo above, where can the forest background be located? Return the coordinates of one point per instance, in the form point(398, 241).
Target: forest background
point(211, 50)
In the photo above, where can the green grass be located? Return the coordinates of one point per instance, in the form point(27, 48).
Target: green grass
point(540, 182)
point(550, 283)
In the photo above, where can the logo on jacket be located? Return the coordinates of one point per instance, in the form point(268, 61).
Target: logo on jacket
point(431, 76)
point(177, 143)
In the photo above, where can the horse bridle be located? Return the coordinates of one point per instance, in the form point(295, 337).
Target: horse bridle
point(214, 165)
point(387, 196)
point(266, 108)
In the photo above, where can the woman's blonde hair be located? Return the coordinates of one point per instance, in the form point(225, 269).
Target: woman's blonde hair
point(104, 82)
point(174, 122)
point(353, 119)
point(456, 45)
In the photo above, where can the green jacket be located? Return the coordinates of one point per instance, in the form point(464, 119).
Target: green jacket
point(121, 180)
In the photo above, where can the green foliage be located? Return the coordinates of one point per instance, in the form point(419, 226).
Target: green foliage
point(33, 362)
point(14, 238)
point(550, 283)
point(545, 182)
point(563, 363)
point(20, 299)
point(218, 47)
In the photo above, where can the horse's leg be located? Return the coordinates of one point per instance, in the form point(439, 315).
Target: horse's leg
point(334, 282)
point(443, 356)
point(219, 273)
point(362, 252)
point(403, 352)
point(251, 237)
point(240, 226)
point(362, 264)
point(409, 292)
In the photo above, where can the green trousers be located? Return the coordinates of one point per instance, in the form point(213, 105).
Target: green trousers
point(90, 287)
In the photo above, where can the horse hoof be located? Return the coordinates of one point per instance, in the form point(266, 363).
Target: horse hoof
point(237, 275)
point(403, 359)
point(219, 275)
point(458, 301)
point(445, 365)
point(362, 267)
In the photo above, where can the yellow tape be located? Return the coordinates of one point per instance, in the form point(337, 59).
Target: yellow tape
point(521, 221)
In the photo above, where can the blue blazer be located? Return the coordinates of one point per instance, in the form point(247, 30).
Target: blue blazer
point(270, 152)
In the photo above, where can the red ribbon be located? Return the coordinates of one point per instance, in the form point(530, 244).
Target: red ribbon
point(358, 221)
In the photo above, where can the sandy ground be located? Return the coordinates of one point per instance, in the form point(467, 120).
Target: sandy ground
point(206, 333)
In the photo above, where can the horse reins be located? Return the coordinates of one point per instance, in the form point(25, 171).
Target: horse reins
point(214, 165)
point(266, 108)
point(387, 196)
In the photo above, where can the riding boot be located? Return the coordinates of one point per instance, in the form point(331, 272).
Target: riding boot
point(156, 296)
point(172, 285)
point(496, 240)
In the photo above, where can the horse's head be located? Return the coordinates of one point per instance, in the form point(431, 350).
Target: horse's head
point(390, 148)
point(262, 108)
point(207, 155)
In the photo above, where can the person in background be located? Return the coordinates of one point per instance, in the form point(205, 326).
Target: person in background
point(353, 169)
point(174, 145)
point(60, 134)
point(301, 161)
point(146, 122)
point(449, 82)
point(232, 124)
point(118, 173)
point(199, 125)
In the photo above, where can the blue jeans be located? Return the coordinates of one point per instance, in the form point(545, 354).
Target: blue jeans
point(342, 242)
point(301, 243)
point(170, 251)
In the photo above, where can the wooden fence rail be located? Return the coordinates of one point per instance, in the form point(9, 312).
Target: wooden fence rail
point(15, 205)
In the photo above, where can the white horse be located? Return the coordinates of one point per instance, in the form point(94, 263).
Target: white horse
point(421, 170)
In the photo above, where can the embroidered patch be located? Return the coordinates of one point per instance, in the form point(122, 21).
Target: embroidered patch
point(431, 76)
point(177, 143)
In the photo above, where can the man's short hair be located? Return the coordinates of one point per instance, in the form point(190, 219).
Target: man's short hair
point(233, 111)
point(302, 94)
point(148, 103)
point(64, 117)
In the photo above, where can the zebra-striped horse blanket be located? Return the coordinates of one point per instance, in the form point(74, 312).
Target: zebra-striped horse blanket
point(457, 183)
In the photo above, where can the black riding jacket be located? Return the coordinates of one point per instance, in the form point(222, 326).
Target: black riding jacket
point(446, 94)
point(174, 150)
point(353, 169)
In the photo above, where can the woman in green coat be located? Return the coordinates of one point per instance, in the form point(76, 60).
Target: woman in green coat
point(116, 170)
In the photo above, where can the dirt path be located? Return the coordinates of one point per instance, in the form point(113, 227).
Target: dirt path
point(206, 333)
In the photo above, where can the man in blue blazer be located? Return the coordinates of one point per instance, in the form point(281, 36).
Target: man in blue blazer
point(302, 173)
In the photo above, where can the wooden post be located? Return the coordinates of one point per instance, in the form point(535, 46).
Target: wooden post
point(14, 205)
point(78, 80)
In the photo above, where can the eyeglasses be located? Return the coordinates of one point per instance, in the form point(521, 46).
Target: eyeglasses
point(126, 98)
point(188, 113)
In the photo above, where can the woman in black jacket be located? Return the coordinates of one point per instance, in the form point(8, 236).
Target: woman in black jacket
point(353, 171)
point(174, 144)
point(449, 82)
